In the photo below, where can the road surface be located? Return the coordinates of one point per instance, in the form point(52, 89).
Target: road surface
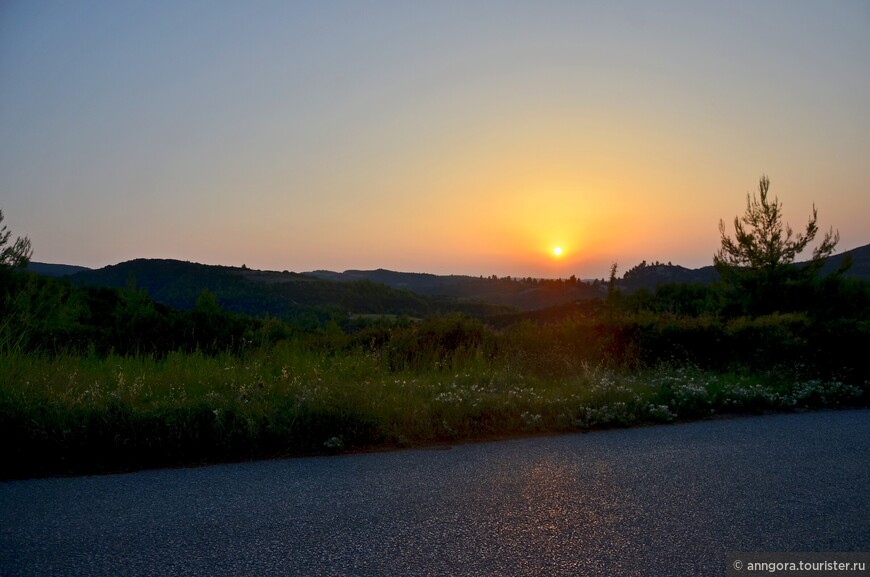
point(667, 500)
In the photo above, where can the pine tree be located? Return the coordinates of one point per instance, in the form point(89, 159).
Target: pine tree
point(16, 255)
point(757, 265)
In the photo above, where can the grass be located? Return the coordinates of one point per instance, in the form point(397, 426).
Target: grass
point(84, 414)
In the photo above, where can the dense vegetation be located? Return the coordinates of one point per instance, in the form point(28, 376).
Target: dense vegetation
point(98, 379)
point(102, 379)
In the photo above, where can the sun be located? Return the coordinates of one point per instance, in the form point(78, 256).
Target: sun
point(557, 251)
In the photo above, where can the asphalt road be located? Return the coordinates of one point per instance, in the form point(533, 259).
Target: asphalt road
point(669, 500)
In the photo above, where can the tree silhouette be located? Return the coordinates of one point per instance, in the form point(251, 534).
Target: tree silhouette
point(16, 255)
point(757, 264)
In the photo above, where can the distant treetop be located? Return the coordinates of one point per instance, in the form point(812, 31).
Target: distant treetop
point(16, 255)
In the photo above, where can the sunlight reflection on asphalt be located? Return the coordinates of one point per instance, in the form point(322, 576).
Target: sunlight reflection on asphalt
point(668, 500)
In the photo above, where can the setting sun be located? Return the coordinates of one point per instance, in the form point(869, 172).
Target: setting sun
point(557, 251)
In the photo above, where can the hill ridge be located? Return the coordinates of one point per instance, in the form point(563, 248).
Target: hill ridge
point(179, 283)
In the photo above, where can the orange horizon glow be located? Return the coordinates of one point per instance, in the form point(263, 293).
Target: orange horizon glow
point(442, 141)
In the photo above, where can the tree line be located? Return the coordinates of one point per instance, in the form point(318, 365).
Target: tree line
point(758, 278)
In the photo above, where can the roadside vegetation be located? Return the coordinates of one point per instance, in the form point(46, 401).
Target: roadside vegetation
point(96, 380)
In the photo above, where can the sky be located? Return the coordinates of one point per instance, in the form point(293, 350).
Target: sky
point(451, 137)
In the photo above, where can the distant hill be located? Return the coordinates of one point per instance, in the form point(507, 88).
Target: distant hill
point(525, 294)
point(284, 294)
point(860, 263)
point(57, 270)
point(287, 294)
point(651, 275)
point(179, 284)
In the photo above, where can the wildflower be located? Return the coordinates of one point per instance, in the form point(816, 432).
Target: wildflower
point(334, 443)
point(531, 420)
point(661, 412)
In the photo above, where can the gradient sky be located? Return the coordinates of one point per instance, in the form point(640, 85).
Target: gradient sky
point(464, 137)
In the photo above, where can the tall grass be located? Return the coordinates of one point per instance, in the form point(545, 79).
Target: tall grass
point(445, 381)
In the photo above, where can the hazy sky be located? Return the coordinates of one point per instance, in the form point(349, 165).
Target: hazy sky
point(463, 137)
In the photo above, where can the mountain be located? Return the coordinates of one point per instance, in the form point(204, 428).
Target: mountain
point(47, 269)
point(180, 283)
point(287, 294)
point(526, 294)
point(284, 294)
point(534, 294)
point(651, 275)
point(860, 263)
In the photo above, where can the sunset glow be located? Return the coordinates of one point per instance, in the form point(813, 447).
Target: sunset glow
point(428, 137)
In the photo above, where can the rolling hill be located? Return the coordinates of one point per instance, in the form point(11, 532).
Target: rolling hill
point(55, 270)
point(526, 294)
point(179, 283)
point(651, 275)
point(860, 267)
point(288, 294)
